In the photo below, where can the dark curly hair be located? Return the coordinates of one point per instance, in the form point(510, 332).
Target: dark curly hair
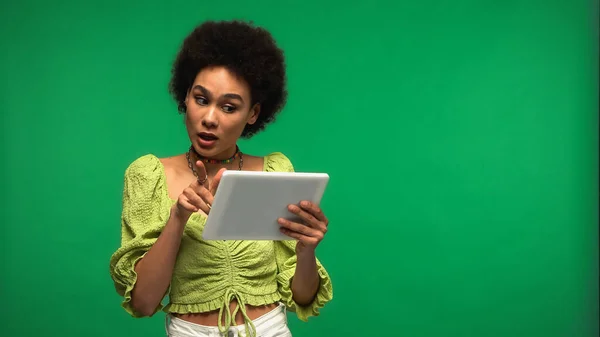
point(248, 51)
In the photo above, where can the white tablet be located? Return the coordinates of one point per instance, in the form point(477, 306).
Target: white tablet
point(248, 203)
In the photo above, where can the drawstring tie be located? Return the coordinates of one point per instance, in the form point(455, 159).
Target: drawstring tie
point(230, 317)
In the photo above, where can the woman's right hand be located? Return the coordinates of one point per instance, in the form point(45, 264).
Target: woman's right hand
point(155, 270)
point(199, 195)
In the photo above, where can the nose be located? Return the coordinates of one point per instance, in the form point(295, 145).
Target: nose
point(210, 119)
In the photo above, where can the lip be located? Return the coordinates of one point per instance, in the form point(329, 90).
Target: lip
point(212, 136)
point(207, 143)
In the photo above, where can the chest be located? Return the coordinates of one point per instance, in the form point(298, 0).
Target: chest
point(195, 252)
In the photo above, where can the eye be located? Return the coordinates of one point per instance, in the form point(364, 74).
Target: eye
point(201, 100)
point(228, 108)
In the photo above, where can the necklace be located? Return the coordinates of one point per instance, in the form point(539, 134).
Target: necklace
point(213, 161)
point(217, 161)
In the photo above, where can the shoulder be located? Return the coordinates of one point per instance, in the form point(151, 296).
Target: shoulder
point(145, 167)
point(277, 162)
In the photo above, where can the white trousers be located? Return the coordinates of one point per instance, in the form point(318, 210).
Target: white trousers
point(271, 324)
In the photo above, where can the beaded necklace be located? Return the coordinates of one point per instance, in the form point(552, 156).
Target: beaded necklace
point(217, 161)
point(213, 161)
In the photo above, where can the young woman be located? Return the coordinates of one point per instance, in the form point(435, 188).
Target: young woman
point(229, 82)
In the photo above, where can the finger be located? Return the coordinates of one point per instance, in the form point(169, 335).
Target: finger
point(307, 240)
point(206, 206)
point(193, 197)
point(300, 228)
point(203, 192)
point(201, 198)
point(216, 180)
point(313, 209)
point(202, 175)
point(184, 202)
point(292, 234)
point(200, 204)
point(308, 218)
point(200, 189)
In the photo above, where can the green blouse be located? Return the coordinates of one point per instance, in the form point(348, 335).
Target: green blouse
point(207, 274)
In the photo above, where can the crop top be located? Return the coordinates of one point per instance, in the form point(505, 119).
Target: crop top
point(207, 274)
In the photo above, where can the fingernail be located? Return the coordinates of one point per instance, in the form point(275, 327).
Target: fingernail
point(304, 203)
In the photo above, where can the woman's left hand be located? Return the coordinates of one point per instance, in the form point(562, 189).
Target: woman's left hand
point(311, 231)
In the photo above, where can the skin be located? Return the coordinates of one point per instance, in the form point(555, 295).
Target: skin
point(220, 103)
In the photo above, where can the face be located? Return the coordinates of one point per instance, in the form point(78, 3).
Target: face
point(218, 109)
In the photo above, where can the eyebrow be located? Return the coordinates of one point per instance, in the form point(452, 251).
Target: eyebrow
point(208, 93)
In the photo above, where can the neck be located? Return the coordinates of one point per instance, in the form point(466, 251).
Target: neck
point(221, 158)
point(225, 159)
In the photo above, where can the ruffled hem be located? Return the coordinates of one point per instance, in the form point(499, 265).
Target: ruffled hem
point(217, 303)
point(126, 303)
point(324, 294)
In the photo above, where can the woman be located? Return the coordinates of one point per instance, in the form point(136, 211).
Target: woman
point(229, 82)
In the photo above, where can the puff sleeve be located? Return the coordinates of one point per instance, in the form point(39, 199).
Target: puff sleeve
point(145, 211)
point(286, 262)
point(285, 254)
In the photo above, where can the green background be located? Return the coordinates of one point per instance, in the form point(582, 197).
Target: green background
point(460, 137)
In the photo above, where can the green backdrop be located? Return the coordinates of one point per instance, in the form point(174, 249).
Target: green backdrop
point(460, 136)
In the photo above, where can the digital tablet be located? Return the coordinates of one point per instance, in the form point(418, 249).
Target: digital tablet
point(248, 203)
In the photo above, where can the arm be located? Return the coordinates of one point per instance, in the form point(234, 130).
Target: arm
point(305, 282)
point(155, 269)
point(145, 217)
point(300, 291)
point(151, 232)
point(309, 234)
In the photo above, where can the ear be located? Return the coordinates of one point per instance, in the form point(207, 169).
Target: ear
point(185, 100)
point(254, 113)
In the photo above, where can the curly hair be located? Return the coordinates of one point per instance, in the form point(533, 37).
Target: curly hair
point(248, 51)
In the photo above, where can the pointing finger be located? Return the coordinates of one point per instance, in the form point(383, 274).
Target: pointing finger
point(202, 175)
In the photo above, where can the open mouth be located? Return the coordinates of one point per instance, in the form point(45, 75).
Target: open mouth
point(207, 136)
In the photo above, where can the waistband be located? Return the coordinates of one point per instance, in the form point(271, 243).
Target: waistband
point(274, 317)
